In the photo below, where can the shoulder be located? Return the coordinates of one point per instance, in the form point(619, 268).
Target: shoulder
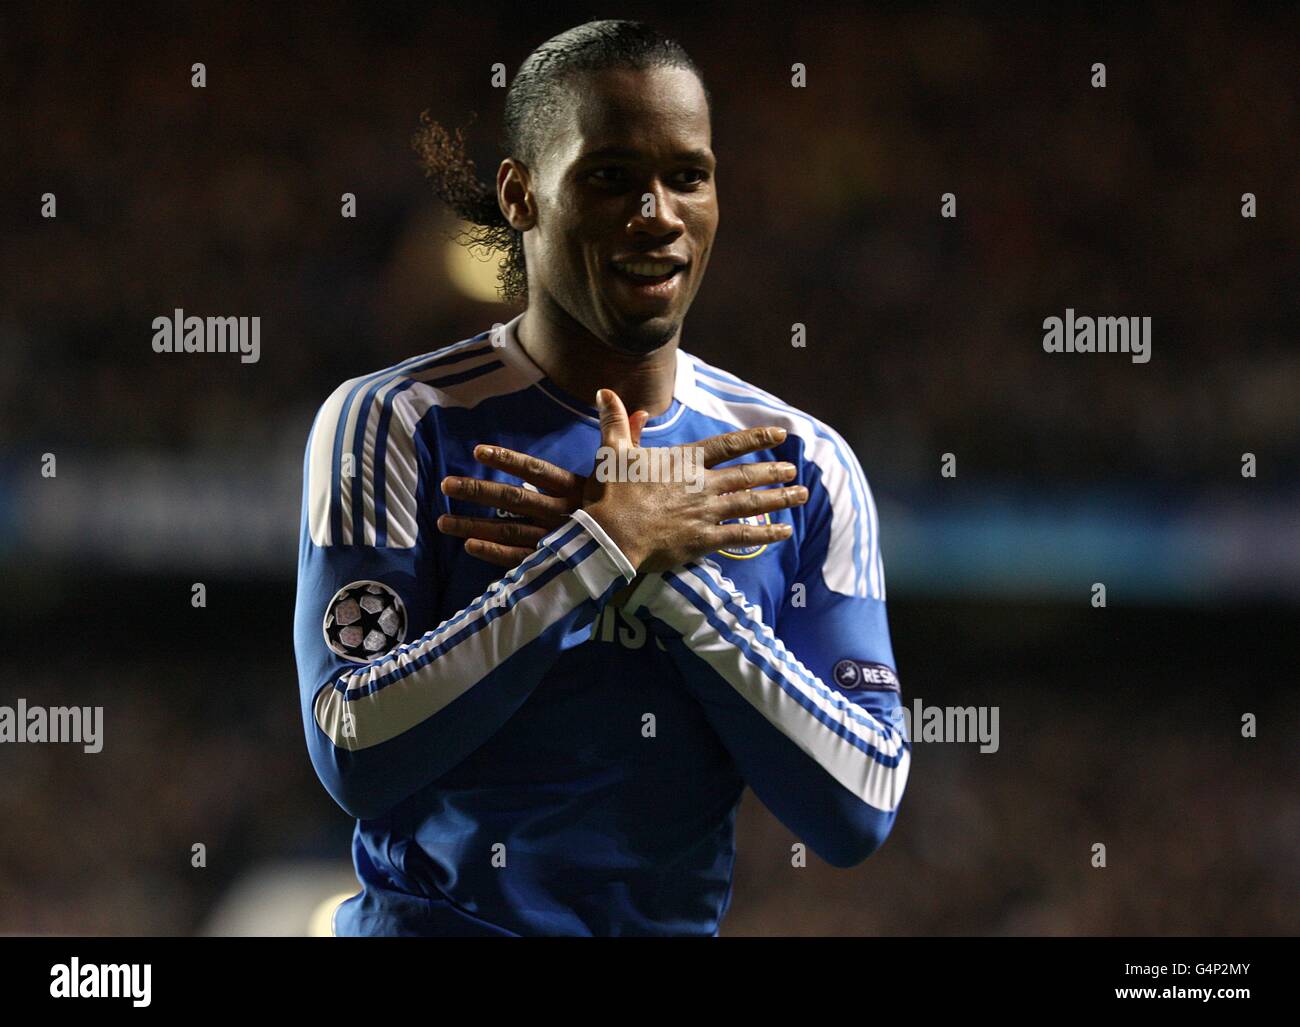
point(361, 467)
point(729, 399)
point(852, 565)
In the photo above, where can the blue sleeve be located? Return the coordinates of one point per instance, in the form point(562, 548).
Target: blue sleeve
point(812, 715)
point(380, 727)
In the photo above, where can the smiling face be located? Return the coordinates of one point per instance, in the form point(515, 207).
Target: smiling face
point(624, 188)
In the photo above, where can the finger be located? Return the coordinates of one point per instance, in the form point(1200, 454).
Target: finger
point(506, 532)
point(759, 501)
point(547, 510)
point(739, 536)
point(502, 556)
point(737, 443)
point(747, 476)
point(637, 422)
point(615, 431)
point(532, 469)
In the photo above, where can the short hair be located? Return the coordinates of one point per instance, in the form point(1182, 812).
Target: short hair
point(533, 103)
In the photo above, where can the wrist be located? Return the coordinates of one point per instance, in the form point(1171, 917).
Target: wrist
point(616, 533)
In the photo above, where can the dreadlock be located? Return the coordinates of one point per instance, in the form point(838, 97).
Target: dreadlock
point(533, 102)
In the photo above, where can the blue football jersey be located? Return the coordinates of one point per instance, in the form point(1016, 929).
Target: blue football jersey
point(525, 753)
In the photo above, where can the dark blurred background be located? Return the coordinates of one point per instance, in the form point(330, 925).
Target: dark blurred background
point(1119, 726)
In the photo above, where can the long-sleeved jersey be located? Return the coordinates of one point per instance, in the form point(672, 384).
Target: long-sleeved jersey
point(524, 753)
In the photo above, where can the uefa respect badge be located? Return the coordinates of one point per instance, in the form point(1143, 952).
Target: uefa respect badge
point(855, 675)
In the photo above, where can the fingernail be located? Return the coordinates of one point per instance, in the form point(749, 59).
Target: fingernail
point(787, 468)
point(777, 434)
point(486, 452)
point(600, 397)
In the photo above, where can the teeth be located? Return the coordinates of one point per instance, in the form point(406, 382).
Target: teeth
point(648, 269)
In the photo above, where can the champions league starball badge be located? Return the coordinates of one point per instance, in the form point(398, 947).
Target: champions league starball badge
point(364, 621)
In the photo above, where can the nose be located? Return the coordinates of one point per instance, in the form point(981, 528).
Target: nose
point(654, 213)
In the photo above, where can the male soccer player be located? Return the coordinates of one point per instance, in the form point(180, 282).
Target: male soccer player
point(561, 750)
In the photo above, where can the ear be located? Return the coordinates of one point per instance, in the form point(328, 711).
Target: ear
point(515, 194)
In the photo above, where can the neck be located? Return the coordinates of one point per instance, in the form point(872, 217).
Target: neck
point(579, 363)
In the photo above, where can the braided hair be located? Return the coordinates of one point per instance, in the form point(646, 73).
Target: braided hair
point(533, 102)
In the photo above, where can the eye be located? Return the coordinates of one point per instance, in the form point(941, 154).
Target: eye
point(612, 175)
point(700, 172)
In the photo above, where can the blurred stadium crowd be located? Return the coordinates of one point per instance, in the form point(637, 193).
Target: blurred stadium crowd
point(1125, 748)
point(924, 337)
point(925, 334)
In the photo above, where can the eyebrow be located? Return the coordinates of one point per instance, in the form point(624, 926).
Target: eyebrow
point(624, 153)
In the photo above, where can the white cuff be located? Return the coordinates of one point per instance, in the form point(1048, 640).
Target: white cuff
point(620, 559)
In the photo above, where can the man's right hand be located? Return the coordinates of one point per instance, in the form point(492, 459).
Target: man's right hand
point(660, 524)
